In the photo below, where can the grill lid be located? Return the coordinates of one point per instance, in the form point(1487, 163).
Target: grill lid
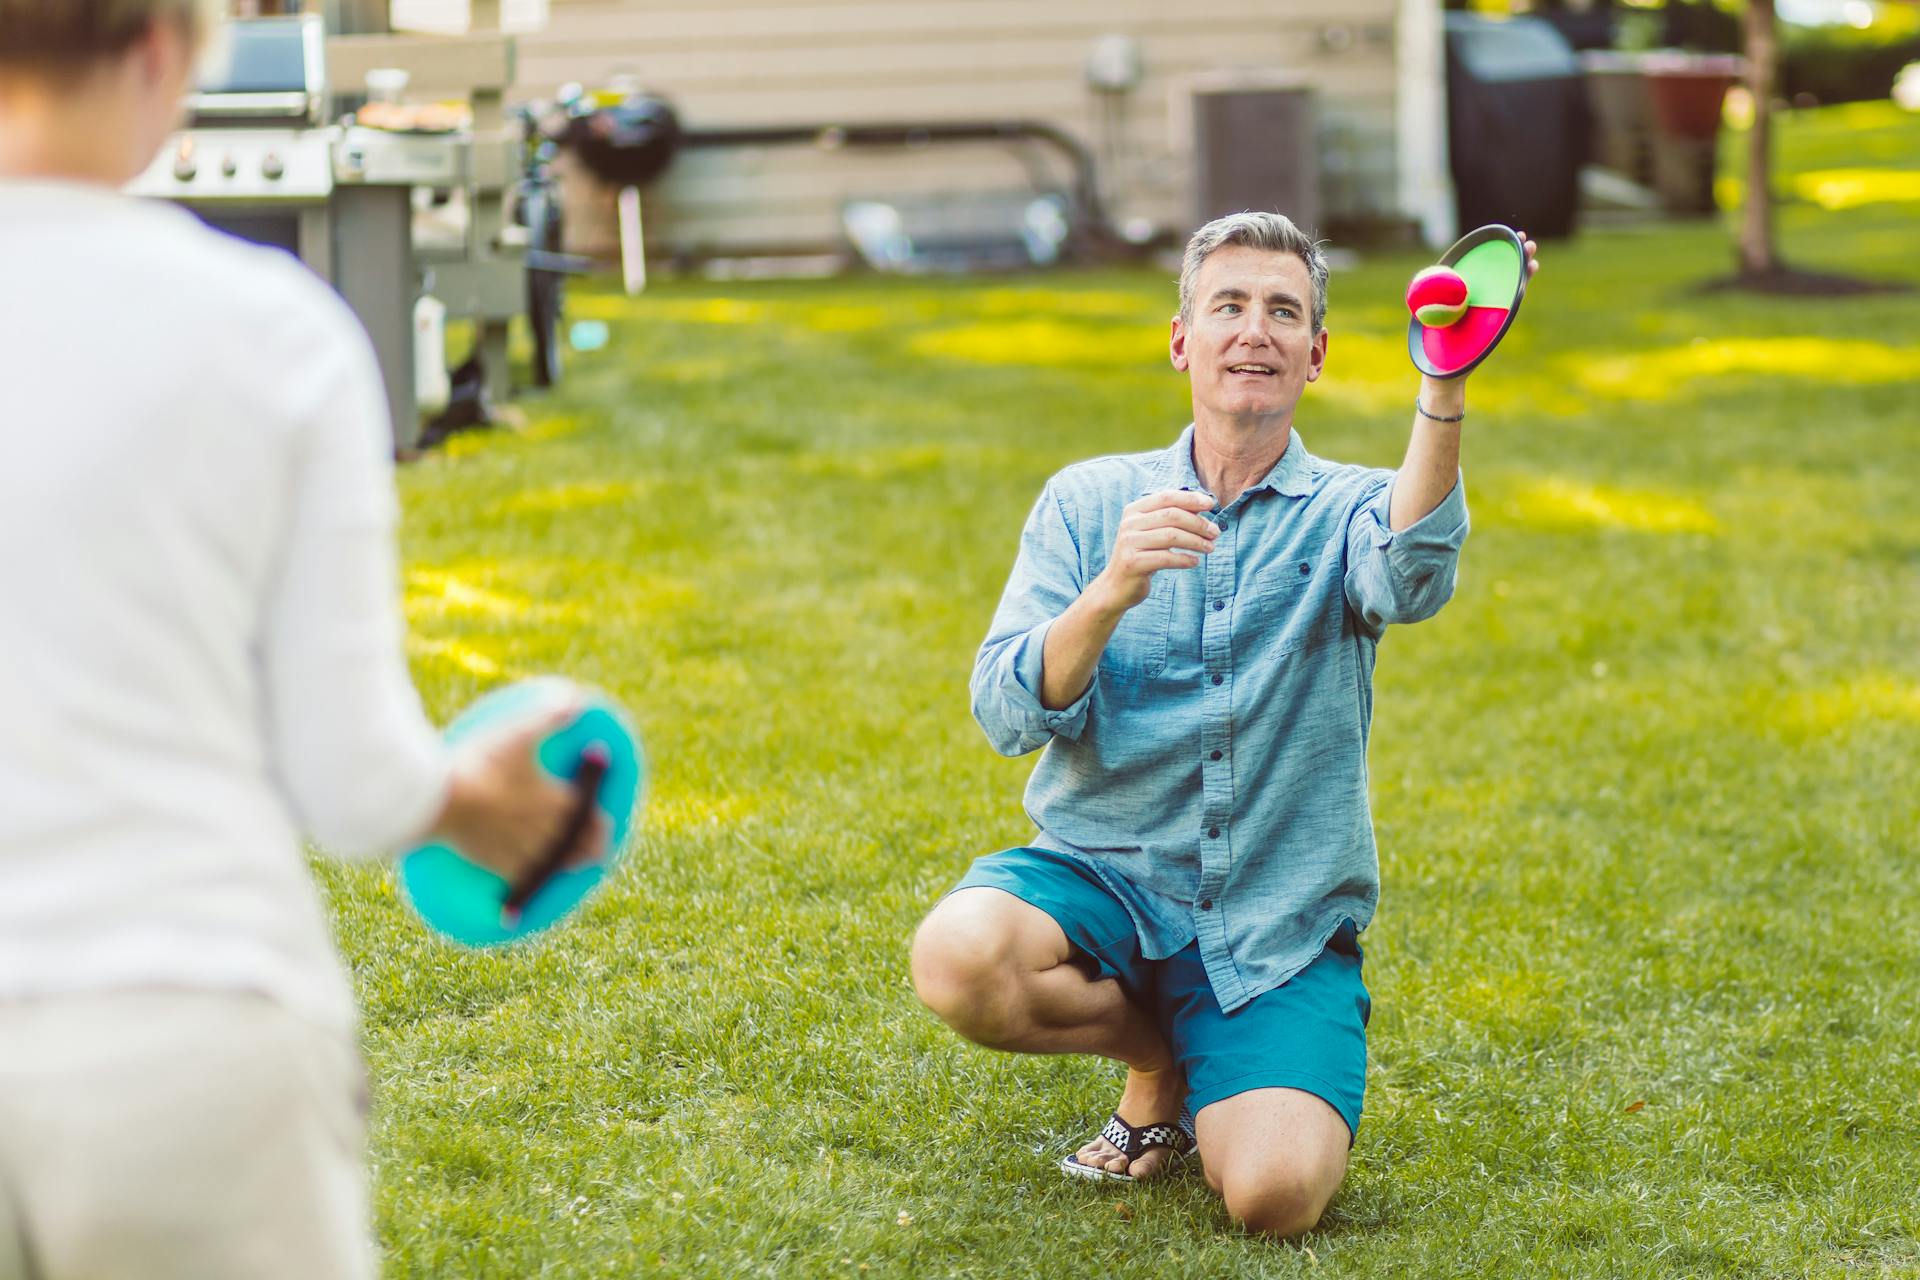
point(268, 71)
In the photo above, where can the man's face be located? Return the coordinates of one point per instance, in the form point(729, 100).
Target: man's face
point(1249, 348)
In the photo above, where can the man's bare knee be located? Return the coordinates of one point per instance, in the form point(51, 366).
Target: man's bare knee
point(1276, 1200)
point(966, 964)
point(954, 974)
point(974, 961)
point(1276, 1156)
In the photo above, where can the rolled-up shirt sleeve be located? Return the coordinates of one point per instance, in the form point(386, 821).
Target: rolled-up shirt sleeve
point(1046, 578)
point(1405, 575)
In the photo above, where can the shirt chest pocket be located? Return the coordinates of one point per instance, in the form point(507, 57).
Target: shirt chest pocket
point(1138, 649)
point(1295, 612)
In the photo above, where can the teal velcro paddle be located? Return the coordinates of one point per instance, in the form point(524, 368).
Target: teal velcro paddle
point(599, 754)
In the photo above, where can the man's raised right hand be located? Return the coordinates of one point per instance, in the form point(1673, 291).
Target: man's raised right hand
point(1160, 531)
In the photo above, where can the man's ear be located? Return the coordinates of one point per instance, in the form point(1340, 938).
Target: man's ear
point(1177, 345)
point(165, 57)
point(151, 54)
point(1317, 357)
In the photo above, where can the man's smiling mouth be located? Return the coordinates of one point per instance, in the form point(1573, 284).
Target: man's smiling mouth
point(1252, 370)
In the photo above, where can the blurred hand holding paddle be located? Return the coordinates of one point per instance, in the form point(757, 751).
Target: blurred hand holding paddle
point(503, 809)
point(546, 785)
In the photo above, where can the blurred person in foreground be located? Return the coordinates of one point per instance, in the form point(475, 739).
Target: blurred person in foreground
point(1191, 633)
point(200, 658)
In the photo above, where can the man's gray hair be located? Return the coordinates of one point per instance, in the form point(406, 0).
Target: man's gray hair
point(68, 33)
point(1274, 232)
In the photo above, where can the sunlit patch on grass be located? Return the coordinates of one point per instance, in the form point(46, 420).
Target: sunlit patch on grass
point(613, 306)
point(1837, 189)
point(466, 444)
point(845, 317)
point(711, 674)
point(1873, 116)
point(574, 497)
point(1869, 698)
point(582, 305)
point(551, 427)
point(1658, 375)
point(709, 311)
point(456, 653)
point(640, 596)
point(692, 370)
point(1099, 303)
point(1370, 374)
point(1364, 372)
point(1559, 503)
point(685, 811)
point(1510, 997)
point(1042, 342)
point(444, 593)
point(1372, 318)
point(884, 464)
point(435, 593)
point(545, 590)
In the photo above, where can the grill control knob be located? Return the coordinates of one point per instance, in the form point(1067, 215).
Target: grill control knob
point(272, 166)
point(183, 163)
point(228, 165)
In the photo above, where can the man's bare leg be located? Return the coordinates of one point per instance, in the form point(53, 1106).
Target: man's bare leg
point(999, 971)
point(1276, 1156)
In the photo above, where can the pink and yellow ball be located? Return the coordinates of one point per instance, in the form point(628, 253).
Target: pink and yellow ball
point(1437, 296)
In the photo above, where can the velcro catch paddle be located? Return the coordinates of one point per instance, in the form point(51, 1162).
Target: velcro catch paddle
point(598, 754)
point(1491, 264)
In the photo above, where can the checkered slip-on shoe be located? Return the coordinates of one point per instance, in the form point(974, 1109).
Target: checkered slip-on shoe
point(1134, 1142)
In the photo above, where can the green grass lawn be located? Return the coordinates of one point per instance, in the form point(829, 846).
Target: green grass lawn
point(1645, 980)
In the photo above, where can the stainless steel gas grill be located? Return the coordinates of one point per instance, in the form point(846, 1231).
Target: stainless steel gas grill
point(256, 157)
point(260, 159)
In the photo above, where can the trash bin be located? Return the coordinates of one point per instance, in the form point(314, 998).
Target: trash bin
point(1622, 113)
point(1688, 90)
point(1517, 120)
point(1657, 118)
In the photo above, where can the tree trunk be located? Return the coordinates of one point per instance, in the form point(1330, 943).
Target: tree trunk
point(1757, 257)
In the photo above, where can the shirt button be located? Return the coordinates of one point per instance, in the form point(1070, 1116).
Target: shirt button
point(1304, 570)
point(1214, 756)
point(1213, 833)
point(1218, 605)
point(1217, 679)
point(1206, 904)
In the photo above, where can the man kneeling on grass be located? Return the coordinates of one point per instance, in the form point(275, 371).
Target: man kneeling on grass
point(1190, 633)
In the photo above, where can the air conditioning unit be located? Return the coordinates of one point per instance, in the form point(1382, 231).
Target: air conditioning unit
point(1254, 148)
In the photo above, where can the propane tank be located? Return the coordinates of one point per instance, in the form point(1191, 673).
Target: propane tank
point(432, 389)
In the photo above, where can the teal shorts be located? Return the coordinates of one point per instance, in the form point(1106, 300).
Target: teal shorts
point(1309, 1033)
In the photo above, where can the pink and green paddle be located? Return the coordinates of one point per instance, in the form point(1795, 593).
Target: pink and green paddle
point(1465, 305)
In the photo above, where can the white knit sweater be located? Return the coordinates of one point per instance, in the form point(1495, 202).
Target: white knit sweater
point(201, 647)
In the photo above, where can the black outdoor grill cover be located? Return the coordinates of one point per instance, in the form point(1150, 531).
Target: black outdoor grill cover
point(627, 144)
point(1517, 123)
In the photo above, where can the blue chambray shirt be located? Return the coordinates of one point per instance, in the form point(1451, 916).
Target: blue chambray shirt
point(1214, 774)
